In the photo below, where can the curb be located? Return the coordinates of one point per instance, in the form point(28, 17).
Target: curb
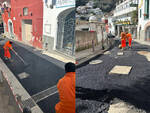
point(89, 58)
point(16, 88)
point(15, 96)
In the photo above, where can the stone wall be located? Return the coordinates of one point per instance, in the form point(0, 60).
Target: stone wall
point(84, 39)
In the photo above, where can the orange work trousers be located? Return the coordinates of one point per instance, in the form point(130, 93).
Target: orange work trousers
point(123, 43)
point(130, 41)
point(7, 53)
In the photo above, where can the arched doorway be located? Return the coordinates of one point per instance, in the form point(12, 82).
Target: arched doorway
point(147, 34)
point(10, 28)
point(66, 32)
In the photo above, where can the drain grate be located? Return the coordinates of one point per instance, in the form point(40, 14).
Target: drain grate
point(44, 94)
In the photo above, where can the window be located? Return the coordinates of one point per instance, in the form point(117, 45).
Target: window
point(25, 11)
point(47, 28)
point(9, 14)
point(146, 10)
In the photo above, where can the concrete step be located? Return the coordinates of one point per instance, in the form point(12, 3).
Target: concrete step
point(11, 109)
point(5, 100)
point(5, 109)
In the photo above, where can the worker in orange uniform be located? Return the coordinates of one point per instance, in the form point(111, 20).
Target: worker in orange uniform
point(66, 89)
point(7, 47)
point(129, 37)
point(123, 40)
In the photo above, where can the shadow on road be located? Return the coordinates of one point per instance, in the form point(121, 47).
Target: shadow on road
point(91, 94)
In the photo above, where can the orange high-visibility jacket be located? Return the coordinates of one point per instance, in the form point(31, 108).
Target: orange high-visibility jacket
point(7, 45)
point(123, 40)
point(66, 89)
point(123, 35)
point(129, 38)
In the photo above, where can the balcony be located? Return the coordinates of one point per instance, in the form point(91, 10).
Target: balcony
point(125, 7)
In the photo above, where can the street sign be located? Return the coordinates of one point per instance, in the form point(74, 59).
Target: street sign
point(133, 5)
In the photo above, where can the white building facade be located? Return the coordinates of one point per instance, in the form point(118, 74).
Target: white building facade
point(59, 26)
point(144, 20)
point(123, 17)
point(111, 26)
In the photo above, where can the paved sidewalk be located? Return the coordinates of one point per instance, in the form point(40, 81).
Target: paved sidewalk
point(2, 101)
point(141, 42)
point(7, 100)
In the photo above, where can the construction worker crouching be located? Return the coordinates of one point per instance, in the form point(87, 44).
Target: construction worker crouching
point(66, 89)
point(7, 47)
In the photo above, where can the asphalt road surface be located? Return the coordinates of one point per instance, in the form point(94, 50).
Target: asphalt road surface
point(96, 88)
point(38, 74)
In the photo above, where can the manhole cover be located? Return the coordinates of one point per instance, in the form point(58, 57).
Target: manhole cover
point(23, 75)
point(124, 70)
point(96, 62)
point(116, 57)
point(142, 52)
point(120, 53)
point(145, 53)
point(107, 52)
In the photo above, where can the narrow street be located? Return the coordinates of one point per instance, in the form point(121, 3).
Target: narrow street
point(39, 77)
point(97, 85)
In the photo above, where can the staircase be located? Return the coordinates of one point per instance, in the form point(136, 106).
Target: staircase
point(7, 101)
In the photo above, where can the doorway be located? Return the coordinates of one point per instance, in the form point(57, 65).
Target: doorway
point(27, 31)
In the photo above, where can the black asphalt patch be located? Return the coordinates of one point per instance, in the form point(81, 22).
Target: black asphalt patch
point(43, 72)
point(133, 88)
point(48, 105)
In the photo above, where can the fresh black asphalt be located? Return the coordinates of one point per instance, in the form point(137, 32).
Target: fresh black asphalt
point(96, 88)
point(43, 73)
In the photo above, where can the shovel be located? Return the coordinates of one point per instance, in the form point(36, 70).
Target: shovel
point(25, 64)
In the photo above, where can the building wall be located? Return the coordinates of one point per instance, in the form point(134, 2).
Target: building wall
point(111, 26)
point(35, 13)
point(124, 7)
point(143, 24)
point(84, 39)
point(123, 13)
point(51, 20)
